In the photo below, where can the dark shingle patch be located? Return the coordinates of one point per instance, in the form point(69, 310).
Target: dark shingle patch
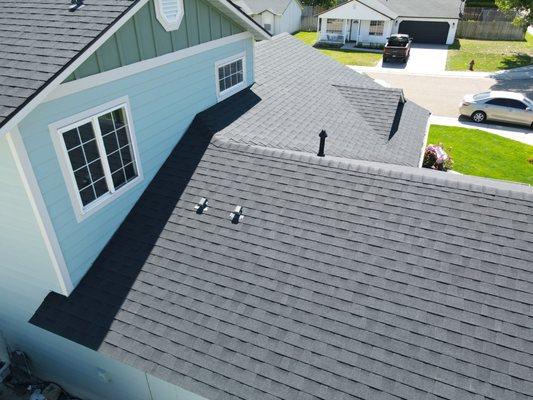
point(379, 107)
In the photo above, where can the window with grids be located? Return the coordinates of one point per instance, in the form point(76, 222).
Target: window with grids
point(100, 154)
point(376, 28)
point(335, 26)
point(230, 75)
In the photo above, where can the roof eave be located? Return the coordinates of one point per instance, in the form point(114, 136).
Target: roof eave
point(39, 95)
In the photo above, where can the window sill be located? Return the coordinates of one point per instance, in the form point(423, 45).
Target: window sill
point(231, 91)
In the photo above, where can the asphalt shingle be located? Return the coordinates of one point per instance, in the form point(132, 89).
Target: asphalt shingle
point(38, 38)
point(300, 92)
point(346, 279)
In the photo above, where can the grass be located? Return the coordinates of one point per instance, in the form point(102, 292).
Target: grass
point(479, 153)
point(346, 57)
point(490, 55)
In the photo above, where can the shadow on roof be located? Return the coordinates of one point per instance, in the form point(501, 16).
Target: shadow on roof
point(114, 272)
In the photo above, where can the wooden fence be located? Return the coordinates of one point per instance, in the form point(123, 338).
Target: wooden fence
point(496, 30)
point(487, 14)
point(310, 18)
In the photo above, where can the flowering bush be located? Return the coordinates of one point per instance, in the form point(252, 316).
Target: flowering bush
point(436, 158)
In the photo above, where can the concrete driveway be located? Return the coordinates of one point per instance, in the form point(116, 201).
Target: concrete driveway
point(424, 58)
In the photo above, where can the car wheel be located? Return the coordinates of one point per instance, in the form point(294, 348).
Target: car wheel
point(478, 116)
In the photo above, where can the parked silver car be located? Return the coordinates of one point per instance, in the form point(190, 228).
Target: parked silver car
point(514, 108)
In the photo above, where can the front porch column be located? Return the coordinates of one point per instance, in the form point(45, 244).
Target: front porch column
point(323, 28)
point(344, 30)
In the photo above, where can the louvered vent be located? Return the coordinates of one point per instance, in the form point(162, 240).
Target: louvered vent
point(169, 13)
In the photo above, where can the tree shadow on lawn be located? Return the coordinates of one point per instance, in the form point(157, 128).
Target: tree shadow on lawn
point(516, 60)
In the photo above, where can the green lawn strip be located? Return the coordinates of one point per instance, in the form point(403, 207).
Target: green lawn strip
point(490, 55)
point(346, 57)
point(479, 153)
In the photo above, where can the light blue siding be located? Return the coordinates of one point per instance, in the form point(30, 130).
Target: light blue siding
point(23, 253)
point(163, 102)
point(26, 277)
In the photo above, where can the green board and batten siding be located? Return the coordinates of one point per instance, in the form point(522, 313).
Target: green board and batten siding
point(143, 37)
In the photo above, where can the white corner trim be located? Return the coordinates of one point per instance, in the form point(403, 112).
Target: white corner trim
point(22, 161)
point(168, 23)
point(39, 98)
point(238, 87)
point(426, 136)
point(78, 85)
point(82, 212)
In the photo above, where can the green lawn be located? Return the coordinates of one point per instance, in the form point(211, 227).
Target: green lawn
point(346, 57)
point(490, 55)
point(476, 152)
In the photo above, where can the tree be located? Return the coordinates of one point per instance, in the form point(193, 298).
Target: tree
point(320, 3)
point(522, 8)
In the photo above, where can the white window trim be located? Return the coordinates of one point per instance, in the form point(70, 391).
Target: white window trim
point(57, 128)
point(234, 89)
point(380, 24)
point(169, 25)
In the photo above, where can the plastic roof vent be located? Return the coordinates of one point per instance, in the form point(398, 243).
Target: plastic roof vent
point(169, 13)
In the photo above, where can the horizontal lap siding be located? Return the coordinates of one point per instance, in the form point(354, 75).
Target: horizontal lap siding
point(25, 262)
point(163, 101)
point(143, 37)
point(26, 277)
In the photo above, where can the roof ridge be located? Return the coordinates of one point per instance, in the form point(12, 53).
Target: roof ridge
point(468, 182)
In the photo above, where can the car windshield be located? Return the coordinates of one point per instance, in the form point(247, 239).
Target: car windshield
point(482, 96)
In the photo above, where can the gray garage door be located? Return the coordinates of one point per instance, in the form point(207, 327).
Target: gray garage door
point(426, 32)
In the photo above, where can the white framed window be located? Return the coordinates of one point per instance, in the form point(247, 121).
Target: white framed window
point(376, 28)
point(98, 155)
point(169, 13)
point(335, 26)
point(230, 75)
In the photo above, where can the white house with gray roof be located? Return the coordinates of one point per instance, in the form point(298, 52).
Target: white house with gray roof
point(371, 22)
point(276, 16)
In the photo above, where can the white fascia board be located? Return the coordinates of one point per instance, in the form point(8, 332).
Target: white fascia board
point(259, 33)
point(29, 181)
point(359, 10)
point(244, 19)
point(88, 82)
point(30, 106)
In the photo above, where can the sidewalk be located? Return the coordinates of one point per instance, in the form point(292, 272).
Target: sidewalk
point(519, 134)
point(517, 73)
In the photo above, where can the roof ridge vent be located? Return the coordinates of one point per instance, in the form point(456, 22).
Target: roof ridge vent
point(203, 205)
point(75, 5)
point(237, 215)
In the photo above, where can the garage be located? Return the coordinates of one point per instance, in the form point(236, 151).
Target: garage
point(426, 31)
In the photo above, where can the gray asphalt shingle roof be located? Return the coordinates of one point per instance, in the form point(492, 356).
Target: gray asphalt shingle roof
point(424, 8)
point(299, 92)
point(345, 280)
point(38, 38)
point(251, 7)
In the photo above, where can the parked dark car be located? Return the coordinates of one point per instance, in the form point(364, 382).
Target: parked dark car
point(398, 47)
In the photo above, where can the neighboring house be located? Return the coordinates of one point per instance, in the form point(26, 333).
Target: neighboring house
point(276, 16)
point(356, 275)
point(371, 22)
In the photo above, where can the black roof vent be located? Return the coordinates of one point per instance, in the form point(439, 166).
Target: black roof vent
point(203, 205)
point(75, 5)
point(236, 216)
point(322, 135)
